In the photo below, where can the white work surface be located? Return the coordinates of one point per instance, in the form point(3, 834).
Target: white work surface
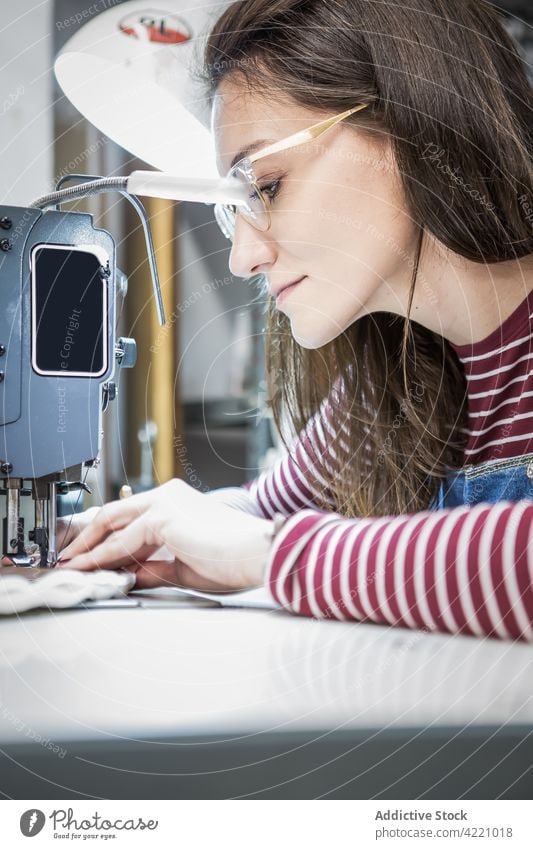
point(130, 675)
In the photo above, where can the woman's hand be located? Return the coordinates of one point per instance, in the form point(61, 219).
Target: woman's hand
point(172, 535)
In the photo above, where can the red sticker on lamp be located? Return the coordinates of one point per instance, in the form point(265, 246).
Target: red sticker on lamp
point(157, 27)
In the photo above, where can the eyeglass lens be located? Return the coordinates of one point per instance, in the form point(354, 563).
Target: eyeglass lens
point(255, 211)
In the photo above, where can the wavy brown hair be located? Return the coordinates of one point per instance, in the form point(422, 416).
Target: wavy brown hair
point(446, 84)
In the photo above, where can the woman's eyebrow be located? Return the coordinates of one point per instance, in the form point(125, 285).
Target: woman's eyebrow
point(246, 151)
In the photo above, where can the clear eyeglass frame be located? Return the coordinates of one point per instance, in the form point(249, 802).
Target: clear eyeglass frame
point(257, 209)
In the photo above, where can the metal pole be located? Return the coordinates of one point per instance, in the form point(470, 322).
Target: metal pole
point(52, 523)
point(13, 516)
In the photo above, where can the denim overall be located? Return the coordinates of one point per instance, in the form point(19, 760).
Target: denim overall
point(494, 480)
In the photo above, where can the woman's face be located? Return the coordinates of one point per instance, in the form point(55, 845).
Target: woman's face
point(339, 220)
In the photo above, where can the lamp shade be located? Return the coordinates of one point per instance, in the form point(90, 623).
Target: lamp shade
point(132, 72)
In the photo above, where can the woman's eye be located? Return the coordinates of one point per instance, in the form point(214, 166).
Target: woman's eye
point(270, 190)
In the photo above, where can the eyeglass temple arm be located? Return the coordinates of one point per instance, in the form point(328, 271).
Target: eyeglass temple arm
point(304, 135)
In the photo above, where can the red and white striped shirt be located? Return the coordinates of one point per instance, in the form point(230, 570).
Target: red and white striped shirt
point(499, 374)
point(465, 569)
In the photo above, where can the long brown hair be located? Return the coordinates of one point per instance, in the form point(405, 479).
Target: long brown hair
point(445, 82)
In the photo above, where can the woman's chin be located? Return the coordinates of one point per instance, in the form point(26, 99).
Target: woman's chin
point(312, 337)
point(314, 330)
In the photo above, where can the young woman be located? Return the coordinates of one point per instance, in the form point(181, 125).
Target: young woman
point(387, 152)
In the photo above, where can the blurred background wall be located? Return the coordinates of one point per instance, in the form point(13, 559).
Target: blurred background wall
point(26, 100)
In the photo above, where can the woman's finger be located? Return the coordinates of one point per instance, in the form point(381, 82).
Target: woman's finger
point(88, 563)
point(156, 573)
point(134, 543)
point(66, 531)
point(69, 527)
point(172, 573)
point(109, 519)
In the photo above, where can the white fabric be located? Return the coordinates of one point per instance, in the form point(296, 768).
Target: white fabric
point(59, 588)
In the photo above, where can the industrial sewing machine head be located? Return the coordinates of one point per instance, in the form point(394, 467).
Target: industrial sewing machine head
point(58, 289)
point(58, 352)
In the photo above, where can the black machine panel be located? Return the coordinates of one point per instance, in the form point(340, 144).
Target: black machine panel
point(69, 310)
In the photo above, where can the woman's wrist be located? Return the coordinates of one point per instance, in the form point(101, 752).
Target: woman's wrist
point(259, 550)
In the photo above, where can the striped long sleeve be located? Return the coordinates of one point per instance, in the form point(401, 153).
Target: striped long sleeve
point(295, 480)
point(462, 570)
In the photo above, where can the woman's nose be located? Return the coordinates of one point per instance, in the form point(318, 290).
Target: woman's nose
point(251, 251)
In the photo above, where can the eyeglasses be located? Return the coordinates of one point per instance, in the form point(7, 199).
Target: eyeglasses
point(257, 209)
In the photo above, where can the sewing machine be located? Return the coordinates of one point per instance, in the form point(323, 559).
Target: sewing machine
point(58, 353)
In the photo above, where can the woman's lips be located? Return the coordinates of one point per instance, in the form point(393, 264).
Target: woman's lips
point(280, 297)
